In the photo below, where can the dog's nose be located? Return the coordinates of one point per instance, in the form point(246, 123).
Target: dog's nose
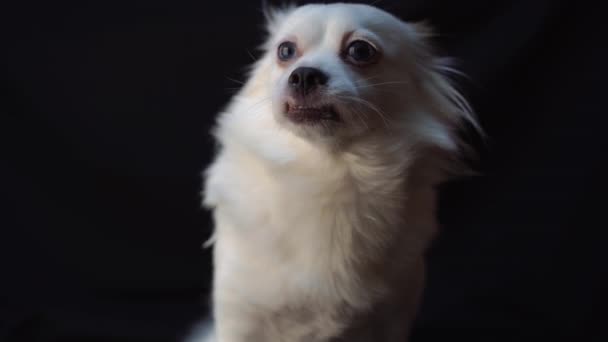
point(305, 79)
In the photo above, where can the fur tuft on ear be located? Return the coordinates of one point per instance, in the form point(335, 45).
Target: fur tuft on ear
point(455, 115)
point(274, 15)
point(454, 119)
point(437, 72)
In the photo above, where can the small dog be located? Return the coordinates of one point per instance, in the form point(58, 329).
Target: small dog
point(323, 191)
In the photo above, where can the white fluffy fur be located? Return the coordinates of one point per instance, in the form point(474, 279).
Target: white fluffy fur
point(320, 230)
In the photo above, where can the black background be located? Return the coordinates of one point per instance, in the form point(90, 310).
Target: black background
point(104, 116)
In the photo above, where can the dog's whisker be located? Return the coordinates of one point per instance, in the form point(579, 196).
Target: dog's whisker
point(235, 81)
point(254, 106)
point(362, 117)
point(367, 79)
point(253, 58)
point(370, 106)
point(382, 83)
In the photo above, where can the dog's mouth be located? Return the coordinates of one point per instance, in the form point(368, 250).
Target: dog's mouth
point(311, 114)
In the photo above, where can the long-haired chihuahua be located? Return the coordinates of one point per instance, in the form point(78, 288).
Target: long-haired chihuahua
point(324, 188)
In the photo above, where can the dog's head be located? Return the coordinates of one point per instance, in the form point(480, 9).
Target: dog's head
point(340, 72)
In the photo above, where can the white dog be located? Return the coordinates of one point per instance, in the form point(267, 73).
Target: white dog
point(323, 192)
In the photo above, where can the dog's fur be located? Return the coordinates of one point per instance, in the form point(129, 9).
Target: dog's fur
point(321, 226)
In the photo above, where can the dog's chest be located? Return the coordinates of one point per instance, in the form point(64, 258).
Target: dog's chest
point(280, 230)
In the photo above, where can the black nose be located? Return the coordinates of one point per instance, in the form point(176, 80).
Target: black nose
point(305, 79)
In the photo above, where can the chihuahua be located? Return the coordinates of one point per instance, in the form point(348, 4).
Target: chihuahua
point(323, 190)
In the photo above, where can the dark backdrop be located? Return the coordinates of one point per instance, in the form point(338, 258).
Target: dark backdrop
point(104, 114)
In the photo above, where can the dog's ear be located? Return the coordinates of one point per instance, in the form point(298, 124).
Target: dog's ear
point(275, 15)
point(452, 112)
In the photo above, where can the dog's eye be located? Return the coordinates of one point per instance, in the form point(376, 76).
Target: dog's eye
point(286, 51)
point(360, 52)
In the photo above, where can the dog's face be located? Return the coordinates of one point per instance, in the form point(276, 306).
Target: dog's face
point(339, 71)
point(336, 73)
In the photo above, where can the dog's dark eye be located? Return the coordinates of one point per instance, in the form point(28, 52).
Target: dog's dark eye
point(360, 52)
point(286, 51)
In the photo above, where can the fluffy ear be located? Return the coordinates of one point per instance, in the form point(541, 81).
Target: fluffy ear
point(453, 118)
point(275, 15)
